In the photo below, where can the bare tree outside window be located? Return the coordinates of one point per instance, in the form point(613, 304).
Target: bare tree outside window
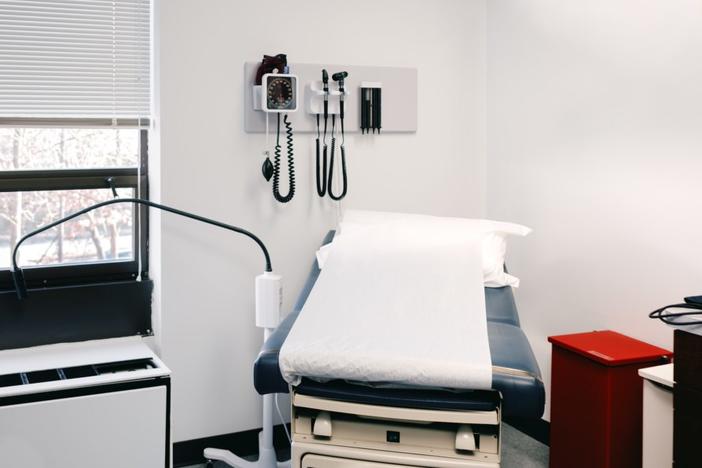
point(103, 235)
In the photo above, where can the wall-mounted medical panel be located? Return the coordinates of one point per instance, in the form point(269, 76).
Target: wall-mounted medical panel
point(399, 85)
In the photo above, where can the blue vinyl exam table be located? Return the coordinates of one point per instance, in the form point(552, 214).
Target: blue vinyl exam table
point(343, 425)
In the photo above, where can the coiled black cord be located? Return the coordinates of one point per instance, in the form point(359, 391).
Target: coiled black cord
point(671, 318)
point(291, 162)
point(322, 177)
point(344, 183)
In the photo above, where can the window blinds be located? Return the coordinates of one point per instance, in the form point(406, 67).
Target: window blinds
point(82, 62)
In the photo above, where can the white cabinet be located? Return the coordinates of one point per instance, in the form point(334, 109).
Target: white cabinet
point(111, 430)
point(84, 405)
point(657, 416)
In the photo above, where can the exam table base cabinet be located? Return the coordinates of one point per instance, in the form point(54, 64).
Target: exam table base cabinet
point(383, 437)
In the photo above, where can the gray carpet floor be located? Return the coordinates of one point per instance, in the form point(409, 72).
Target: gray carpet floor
point(521, 451)
point(518, 451)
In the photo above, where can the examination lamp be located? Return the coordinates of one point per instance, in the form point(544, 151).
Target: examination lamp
point(268, 284)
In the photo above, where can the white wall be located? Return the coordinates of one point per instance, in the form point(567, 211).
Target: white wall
point(209, 165)
point(595, 141)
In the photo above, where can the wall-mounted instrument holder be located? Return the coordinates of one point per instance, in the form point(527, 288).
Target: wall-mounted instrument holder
point(327, 111)
point(399, 97)
point(371, 106)
point(314, 98)
point(274, 90)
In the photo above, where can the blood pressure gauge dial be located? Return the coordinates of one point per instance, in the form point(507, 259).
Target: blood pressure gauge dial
point(280, 92)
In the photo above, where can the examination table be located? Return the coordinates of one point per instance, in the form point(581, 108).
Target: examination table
point(518, 390)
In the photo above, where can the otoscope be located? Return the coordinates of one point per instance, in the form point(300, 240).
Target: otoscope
point(339, 77)
point(322, 177)
point(325, 82)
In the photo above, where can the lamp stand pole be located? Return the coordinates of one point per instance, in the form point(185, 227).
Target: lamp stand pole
point(268, 303)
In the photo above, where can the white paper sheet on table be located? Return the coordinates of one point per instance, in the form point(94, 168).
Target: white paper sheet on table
point(401, 302)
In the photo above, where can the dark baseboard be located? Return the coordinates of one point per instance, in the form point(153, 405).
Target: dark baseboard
point(245, 443)
point(537, 429)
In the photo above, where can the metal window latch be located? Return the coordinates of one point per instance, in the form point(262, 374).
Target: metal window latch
point(111, 184)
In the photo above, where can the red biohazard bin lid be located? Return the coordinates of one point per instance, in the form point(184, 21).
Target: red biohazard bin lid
point(610, 348)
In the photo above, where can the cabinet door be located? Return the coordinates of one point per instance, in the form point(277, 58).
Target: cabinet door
point(109, 430)
point(657, 426)
point(580, 404)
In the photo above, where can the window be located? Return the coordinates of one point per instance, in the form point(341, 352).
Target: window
point(74, 117)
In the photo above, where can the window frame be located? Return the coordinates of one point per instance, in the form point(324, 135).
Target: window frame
point(76, 274)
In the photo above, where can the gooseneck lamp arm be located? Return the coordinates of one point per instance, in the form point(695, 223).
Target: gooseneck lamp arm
point(18, 276)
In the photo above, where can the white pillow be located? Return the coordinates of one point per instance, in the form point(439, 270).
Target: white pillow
point(494, 251)
point(494, 240)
